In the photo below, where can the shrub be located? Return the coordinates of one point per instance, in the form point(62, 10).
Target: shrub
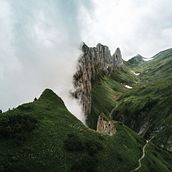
point(16, 126)
point(119, 158)
point(93, 147)
point(73, 143)
point(26, 108)
point(85, 163)
point(0, 111)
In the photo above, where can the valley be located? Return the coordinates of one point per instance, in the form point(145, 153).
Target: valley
point(133, 124)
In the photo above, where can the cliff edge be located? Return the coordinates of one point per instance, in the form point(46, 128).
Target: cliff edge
point(95, 61)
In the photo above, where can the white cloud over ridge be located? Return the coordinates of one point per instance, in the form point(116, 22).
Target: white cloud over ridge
point(37, 51)
point(40, 40)
point(136, 26)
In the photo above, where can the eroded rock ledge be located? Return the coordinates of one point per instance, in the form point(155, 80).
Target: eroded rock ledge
point(105, 126)
point(93, 62)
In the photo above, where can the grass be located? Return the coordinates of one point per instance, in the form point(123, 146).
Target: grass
point(150, 99)
point(107, 91)
point(55, 140)
point(147, 103)
point(47, 146)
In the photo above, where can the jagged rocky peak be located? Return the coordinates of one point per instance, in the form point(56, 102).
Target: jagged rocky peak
point(117, 58)
point(95, 61)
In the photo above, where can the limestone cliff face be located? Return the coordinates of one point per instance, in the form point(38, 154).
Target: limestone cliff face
point(93, 62)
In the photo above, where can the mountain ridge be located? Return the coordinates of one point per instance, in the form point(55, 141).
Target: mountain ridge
point(44, 136)
point(60, 142)
point(128, 105)
point(94, 62)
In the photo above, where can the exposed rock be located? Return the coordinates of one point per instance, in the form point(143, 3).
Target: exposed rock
point(144, 128)
point(95, 61)
point(117, 58)
point(105, 126)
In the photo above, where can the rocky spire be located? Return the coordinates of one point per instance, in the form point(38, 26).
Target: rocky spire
point(117, 58)
point(94, 61)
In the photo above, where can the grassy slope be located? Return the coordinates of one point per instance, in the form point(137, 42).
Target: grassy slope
point(106, 91)
point(150, 99)
point(161, 159)
point(43, 147)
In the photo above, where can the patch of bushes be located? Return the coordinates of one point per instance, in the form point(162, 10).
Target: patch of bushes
point(74, 143)
point(25, 107)
point(87, 161)
point(93, 147)
point(16, 126)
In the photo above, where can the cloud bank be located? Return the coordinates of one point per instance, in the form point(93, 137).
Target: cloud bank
point(40, 41)
point(39, 48)
point(136, 26)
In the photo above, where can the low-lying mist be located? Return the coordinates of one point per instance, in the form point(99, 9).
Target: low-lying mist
point(40, 45)
point(40, 41)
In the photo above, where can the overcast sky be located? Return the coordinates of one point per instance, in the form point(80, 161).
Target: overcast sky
point(40, 40)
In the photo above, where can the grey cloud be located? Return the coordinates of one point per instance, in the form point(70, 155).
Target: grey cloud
point(40, 40)
point(39, 50)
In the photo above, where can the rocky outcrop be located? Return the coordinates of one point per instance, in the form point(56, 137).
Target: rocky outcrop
point(94, 61)
point(117, 58)
point(105, 126)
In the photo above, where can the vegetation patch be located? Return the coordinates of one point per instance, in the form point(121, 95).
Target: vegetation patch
point(87, 161)
point(16, 126)
point(75, 143)
point(63, 143)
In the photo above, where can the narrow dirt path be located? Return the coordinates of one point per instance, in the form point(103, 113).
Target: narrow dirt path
point(142, 157)
point(143, 149)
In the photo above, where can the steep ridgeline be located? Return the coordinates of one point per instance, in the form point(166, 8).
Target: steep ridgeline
point(44, 136)
point(94, 62)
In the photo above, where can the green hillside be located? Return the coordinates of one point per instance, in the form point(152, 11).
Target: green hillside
point(136, 60)
point(44, 136)
point(146, 107)
point(107, 90)
point(148, 104)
